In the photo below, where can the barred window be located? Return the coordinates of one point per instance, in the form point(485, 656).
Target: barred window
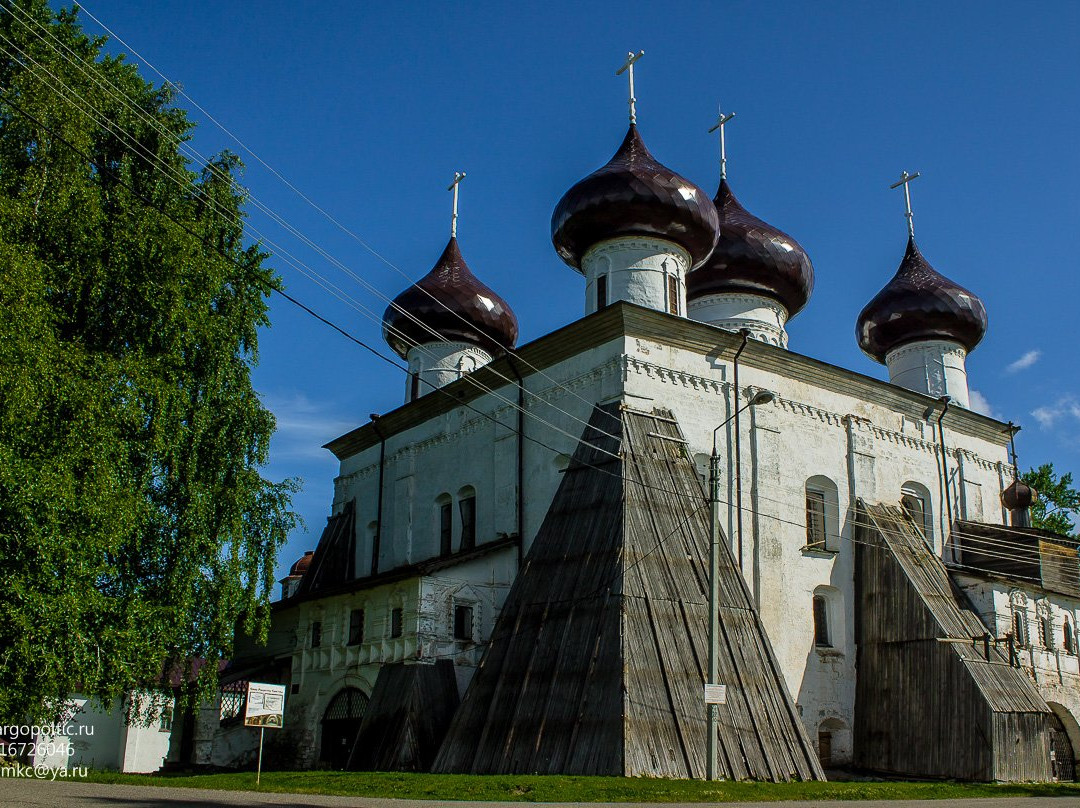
point(233, 700)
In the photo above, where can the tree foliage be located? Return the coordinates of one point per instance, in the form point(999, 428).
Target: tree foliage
point(136, 531)
point(1058, 503)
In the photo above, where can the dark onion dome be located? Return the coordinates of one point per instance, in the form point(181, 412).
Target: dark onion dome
point(453, 303)
point(1018, 496)
point(919, 303)
point(752, 257)
point(302, 564)
point(633, 195)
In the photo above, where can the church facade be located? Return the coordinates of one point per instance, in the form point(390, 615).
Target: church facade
point(862, 521)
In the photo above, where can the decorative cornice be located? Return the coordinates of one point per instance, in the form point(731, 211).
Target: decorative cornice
point(622, 320)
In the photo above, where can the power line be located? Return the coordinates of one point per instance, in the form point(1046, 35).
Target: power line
point(509, 349)
point(390, 361)
point(311, 273)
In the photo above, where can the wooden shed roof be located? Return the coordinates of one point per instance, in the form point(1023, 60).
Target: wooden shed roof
point(598, 660)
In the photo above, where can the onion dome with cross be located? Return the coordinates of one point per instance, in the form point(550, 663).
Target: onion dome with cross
point(922, 325)
point(757, 278)
point(634, 227)
point(448, 323)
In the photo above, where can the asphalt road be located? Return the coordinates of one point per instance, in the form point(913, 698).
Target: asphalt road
point(30, 792)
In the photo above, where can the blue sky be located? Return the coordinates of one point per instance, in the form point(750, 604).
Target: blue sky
point(369, 108)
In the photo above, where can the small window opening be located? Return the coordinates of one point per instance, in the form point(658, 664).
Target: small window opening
point(601, 291)
point(1020, 632)
point(1046, 632)
point(356, 627)
point(1068, 637)
point(821, 623)
point(463, 622)
point(915, 507)
point(467, 507)
point(446, 527)
point(815, 519)
point(414, 380)
point(396, 620)
point(673, 294)
point(316, 634)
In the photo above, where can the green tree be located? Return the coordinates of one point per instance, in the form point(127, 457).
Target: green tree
point(136, 531)
point(1058, 503)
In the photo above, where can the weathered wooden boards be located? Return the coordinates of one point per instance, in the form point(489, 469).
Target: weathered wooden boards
point(333, 561)
point(930, 699)
point(406, 718)
point(598, 660)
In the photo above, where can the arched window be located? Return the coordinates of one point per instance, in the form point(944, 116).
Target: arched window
point(915, 500)
point(467, 509)
point(1046, 624)
point(822, 514)
point(828, 616)
point(1068, 637)
point(821, 622)
point(1018, 603)
point(444, 523)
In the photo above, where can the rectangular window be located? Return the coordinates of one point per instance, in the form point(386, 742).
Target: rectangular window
point(672, 294)
point(815, 519)
point(446, 528)
point(356, 627)
point(414, 380)
point(468, 522)
point(463, 622)
point(601, 292)
point(395, 622)
point(316, 634)
point(821, 623)
point(165, 721)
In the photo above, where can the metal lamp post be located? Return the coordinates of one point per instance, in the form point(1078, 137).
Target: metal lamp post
point(763, 397)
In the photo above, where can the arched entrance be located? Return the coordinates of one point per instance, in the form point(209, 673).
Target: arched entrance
point(1063, 731)
point(341, 725)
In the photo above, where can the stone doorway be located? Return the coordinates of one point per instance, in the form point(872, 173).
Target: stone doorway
point(341, 725)
point(1062, 757)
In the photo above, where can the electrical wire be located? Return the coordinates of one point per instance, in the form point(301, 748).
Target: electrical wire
point(982, 539)
point(183, 146)
point(102, 119)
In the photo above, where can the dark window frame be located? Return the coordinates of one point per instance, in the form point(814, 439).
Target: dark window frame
point(446, 527)
point(467, 511)
point(464, 622)
point(816, 509)
point(316, 634)
point(601, 291)
point(356, 627)
point(821, 622)
point(673, 294)
point(397, 622)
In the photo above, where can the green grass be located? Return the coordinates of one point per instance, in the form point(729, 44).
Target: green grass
point(534, 788)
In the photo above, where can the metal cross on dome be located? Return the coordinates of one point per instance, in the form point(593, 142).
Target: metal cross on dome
point(458, 177)
point(720, 121)
point(631, 57)
point(905, 178)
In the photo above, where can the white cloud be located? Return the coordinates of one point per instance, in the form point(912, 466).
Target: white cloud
point(303, 426)
point(979, 403)
point(1065, 407)
point(1024, 362)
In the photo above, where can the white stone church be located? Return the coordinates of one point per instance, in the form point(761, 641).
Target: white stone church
point(884, 607)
